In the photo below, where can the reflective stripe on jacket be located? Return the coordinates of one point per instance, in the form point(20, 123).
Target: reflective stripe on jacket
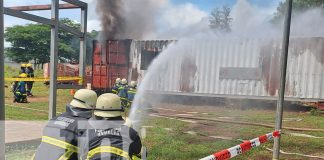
point(115, 88)
point(60, 135)
point(131, 94)
point(122, 91)
point(110, 139)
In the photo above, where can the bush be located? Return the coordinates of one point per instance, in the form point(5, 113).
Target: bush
point(315, 112)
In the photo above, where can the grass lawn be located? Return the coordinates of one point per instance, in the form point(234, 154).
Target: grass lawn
point(168, 139)
point(38, 104)
point(37, 109)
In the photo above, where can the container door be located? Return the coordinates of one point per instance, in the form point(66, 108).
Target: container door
point(96, 65)
point(118, 60)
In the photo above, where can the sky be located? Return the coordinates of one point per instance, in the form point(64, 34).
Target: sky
point(189, 11)
point(209, 5)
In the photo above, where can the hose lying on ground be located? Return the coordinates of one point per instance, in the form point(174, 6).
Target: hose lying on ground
point(298, 154)
point(240, 122)
point(303, 135)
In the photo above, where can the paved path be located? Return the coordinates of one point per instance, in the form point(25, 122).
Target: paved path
point(17, 131)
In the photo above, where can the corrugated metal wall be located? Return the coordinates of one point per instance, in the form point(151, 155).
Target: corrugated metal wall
point(138, 48)
point(248, 67)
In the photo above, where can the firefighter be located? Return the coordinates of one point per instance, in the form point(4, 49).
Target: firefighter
point(13, 87)
point(116, 86)
point(131, 92)
point(60, 135)
point(22, 68)
point(124, 82)
point(108, 137)
point(19, 90)
point(30, 74)
point(122, 93)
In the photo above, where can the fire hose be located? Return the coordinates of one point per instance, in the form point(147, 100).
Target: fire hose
point(242, 148)
point(242, 123)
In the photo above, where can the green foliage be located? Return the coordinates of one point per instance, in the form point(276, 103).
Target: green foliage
point(298, 6)
point(220, 19)
point(315, 112)
point(32, 42)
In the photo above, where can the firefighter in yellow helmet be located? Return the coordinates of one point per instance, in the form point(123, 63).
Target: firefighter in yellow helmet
point(22, 68)
point(30, 74)
point(107, 135)
point(116, 86)
point(19, 90)
point(132, 89)
point(122, 92)
point(60, 135)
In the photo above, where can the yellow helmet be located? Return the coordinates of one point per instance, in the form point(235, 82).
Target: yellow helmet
point(23, 65)
point(118, 80)
point(108, 105)
point(84, 98)
point(23, 75)
point(28, 65)
point(124, 81)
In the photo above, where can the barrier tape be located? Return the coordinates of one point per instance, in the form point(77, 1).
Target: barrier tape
point(242, 148)
point(41, 79)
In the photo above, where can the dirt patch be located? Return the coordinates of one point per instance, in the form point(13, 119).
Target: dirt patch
point(215, 129)
point(30, 99)
point(38, 99)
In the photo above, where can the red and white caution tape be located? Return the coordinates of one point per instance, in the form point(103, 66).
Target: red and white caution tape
point(242, 148)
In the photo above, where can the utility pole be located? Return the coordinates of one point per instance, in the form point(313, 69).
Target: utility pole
point(53, 60)
point(2, 91)
point(283, 66)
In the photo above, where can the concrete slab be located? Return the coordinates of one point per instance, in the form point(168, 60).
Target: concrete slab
point(18, 131)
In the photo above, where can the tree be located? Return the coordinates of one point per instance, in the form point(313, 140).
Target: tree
point(32, 42)
point(220, 19)
point(29, 42)
point(298, 6)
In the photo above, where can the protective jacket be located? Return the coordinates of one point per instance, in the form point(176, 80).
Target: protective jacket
point(30, 72)
point(60, 136)
point(21, 88)
point(110, 140)
point(131, 95)
point(122, 93)
point(22, 70)
point(115, 88)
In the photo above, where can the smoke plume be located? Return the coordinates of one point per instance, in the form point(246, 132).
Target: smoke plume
point(151, 19)
point(112, 18)
point(133, 19)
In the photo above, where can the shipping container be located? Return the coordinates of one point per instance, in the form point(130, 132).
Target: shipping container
point(142, 53)
point(110, 60)
point(122, 59)
point(68, 70)
point(248, 68)
point(234, 68)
